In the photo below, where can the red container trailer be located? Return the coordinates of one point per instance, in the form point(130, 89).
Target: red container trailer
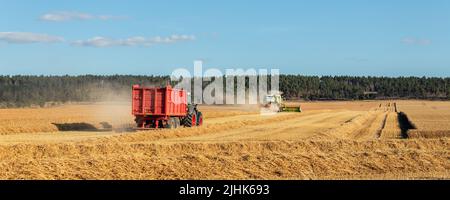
point(163, 107)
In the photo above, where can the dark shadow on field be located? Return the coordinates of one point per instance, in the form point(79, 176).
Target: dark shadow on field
point(405, 124)
point(82, 127)
point(102, 127)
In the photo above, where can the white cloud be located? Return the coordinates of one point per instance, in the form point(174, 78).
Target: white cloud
point(416, 41)
point(61, 16)
point(26, 37)
point(132, 41)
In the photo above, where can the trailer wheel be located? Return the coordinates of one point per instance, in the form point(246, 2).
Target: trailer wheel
point(199, 119)
point(171, 123)
point(140, 123)
point(190, 120)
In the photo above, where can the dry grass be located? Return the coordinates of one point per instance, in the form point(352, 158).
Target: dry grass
point(33, 120)
point(431, 119)
point(233, 160)
point(76, 117)
point(336, 105)
point(391, 128)
point(428, 133)
point(329, 142)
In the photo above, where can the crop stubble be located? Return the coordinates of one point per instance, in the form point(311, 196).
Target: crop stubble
point(329, 140)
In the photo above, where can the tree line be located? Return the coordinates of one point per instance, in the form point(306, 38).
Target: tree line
point(22, 91)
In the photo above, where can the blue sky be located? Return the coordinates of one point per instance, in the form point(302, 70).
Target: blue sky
point(321, 37)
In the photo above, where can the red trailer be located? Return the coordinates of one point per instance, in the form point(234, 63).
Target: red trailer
point(163, 107)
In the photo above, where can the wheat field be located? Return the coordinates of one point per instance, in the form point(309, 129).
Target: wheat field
point(328, 140)
point(429, 119)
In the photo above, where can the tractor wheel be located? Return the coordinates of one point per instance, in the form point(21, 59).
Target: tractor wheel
point(199, 119)
point(171, 123)
point(190, 120)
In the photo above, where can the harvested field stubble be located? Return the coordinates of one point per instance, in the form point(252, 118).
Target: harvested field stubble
point(391, 129)
point(428, 119)
point(250, 160)
point(343, 140)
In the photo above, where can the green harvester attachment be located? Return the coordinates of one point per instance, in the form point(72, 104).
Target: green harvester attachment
point(291, 109)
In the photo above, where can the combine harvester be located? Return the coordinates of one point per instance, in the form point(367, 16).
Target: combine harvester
point(274, 103)
point(163, 107)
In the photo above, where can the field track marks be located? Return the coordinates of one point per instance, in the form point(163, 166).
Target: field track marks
point(372, 128)
point(392, 128)
point(210, 126)
point(290, 129)
point(366, 127)
point(383, 125)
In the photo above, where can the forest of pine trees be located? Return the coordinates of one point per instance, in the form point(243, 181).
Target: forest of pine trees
point(22, 91)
